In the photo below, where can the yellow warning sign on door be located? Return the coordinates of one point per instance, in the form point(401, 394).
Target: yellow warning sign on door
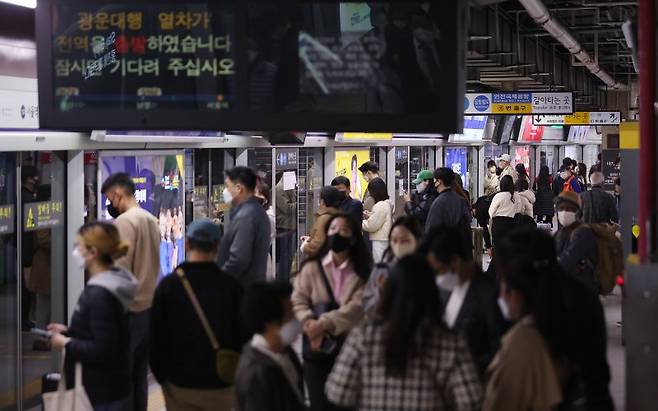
point(29, 222)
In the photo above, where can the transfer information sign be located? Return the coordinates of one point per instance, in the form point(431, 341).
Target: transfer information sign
point(580, 118)
point(518, 102)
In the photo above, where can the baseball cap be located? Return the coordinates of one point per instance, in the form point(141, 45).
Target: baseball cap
point(423, 175)
point(505, 157)
point(569, 197)
point(204, 231)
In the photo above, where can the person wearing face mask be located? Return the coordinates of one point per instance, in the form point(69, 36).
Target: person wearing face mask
point(491, 179)
point(542, 298)
point(328, 301)
point(349, 205)
point(403, 239)
point(418, 205)
point(449, 208)
point(330, 199)
point(98, 336)
point(570, 181)
point(406, 359)
point(469, 297)
point(140, 230)
point(182, 356)
point(269, 375)
point(576, 242)
point(370, 171)
point(505, 162)
point(245, 244)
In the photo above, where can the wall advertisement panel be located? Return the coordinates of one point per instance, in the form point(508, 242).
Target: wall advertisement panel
point(347, 164)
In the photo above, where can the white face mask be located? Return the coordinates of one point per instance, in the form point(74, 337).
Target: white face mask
point(421, 187)
point(504, 308)
point(227, 196)
point(403, 250)
point(289, 332)
point(492, 170)
point(78, 258)
point(566, 218)
point(447, 281)
point(564, 175)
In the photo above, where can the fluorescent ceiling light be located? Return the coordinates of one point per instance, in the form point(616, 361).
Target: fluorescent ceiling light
point(25, 3)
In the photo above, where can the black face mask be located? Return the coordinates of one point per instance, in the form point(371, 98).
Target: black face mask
point(113, 211)
point(338, 243)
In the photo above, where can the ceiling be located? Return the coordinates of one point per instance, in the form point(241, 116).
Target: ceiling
point(508, 50)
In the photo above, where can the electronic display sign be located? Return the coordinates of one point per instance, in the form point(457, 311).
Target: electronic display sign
point(394, 66)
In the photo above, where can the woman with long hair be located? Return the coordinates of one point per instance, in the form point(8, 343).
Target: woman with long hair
point(98, 334)
point(504, 207)
point(523, 172)
point(328, 300)
point(581, 175)
point(406, 359)
point(403, 240)
point(543, 187)
point(378, 222)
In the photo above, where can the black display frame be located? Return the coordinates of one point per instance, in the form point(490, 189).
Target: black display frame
point(448, 120)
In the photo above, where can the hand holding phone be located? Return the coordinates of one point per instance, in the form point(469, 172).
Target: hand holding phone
point(41, 333)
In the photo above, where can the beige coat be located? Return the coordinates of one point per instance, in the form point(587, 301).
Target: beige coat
point(309, 289)
point(523, 375)
point(380, 221)
point(318, 234)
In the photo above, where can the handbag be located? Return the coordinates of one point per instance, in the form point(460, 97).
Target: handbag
point(75, 399)
point(331, 345)
point(226, 360)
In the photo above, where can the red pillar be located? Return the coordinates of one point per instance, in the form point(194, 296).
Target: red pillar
point(647, 56)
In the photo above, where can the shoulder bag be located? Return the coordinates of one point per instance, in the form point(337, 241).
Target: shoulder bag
point(330, 345)
point(75, 399)
point(226, 360)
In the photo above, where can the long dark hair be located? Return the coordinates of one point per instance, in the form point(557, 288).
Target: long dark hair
point(543, 179)
point(529, 265)
point(359, 254)
point(409, 308)
point(411, 224)
point(520, 168)
point(507, 186)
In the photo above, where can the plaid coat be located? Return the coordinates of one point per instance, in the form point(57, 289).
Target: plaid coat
point(443, 377)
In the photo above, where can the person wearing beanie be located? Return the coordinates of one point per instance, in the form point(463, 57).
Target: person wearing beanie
point(598, 205)
point(575, 242)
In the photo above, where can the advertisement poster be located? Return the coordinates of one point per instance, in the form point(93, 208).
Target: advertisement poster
point(457, 160)
point(530, 133)
point(347, 164)
point(522, 156)
point(159, 189)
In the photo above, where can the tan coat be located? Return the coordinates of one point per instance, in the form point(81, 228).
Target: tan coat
point(309, 289)
point(523, 376)
point(319, 232)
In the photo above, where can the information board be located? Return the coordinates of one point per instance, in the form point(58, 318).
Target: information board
point(611, 167)
point(42, 215)
point(518, 102)
point(7, 218)
point(580, 118)
point(320, 65)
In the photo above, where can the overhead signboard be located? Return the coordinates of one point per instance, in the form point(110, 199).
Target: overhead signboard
point(311, 65)
point(363, 137)
point(580, 118)
point(473, 130)
point(518, 102)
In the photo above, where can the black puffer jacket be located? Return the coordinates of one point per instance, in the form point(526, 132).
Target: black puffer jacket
point(598, 206)
point(100, 337)
point(577, 253)
point(419, 206)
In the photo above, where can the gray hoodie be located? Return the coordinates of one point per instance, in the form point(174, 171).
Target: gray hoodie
point(119, 282)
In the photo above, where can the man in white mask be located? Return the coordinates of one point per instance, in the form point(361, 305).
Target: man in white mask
point(418, 205)
point(269, 373)
point(469, 297)
point(576, 242)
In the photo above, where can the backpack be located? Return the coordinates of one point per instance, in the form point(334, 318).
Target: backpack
point(610, 262)
point(567, 184)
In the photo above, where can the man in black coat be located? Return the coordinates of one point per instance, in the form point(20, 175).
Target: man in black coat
point(349, 206)
point(269, 375)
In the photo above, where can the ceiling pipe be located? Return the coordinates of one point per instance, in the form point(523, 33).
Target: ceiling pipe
point(540, 14)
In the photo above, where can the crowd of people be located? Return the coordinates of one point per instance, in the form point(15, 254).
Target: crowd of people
point(382, 314)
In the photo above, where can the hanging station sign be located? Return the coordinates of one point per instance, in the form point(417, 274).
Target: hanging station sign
point(518, 102)
point(580, 118)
